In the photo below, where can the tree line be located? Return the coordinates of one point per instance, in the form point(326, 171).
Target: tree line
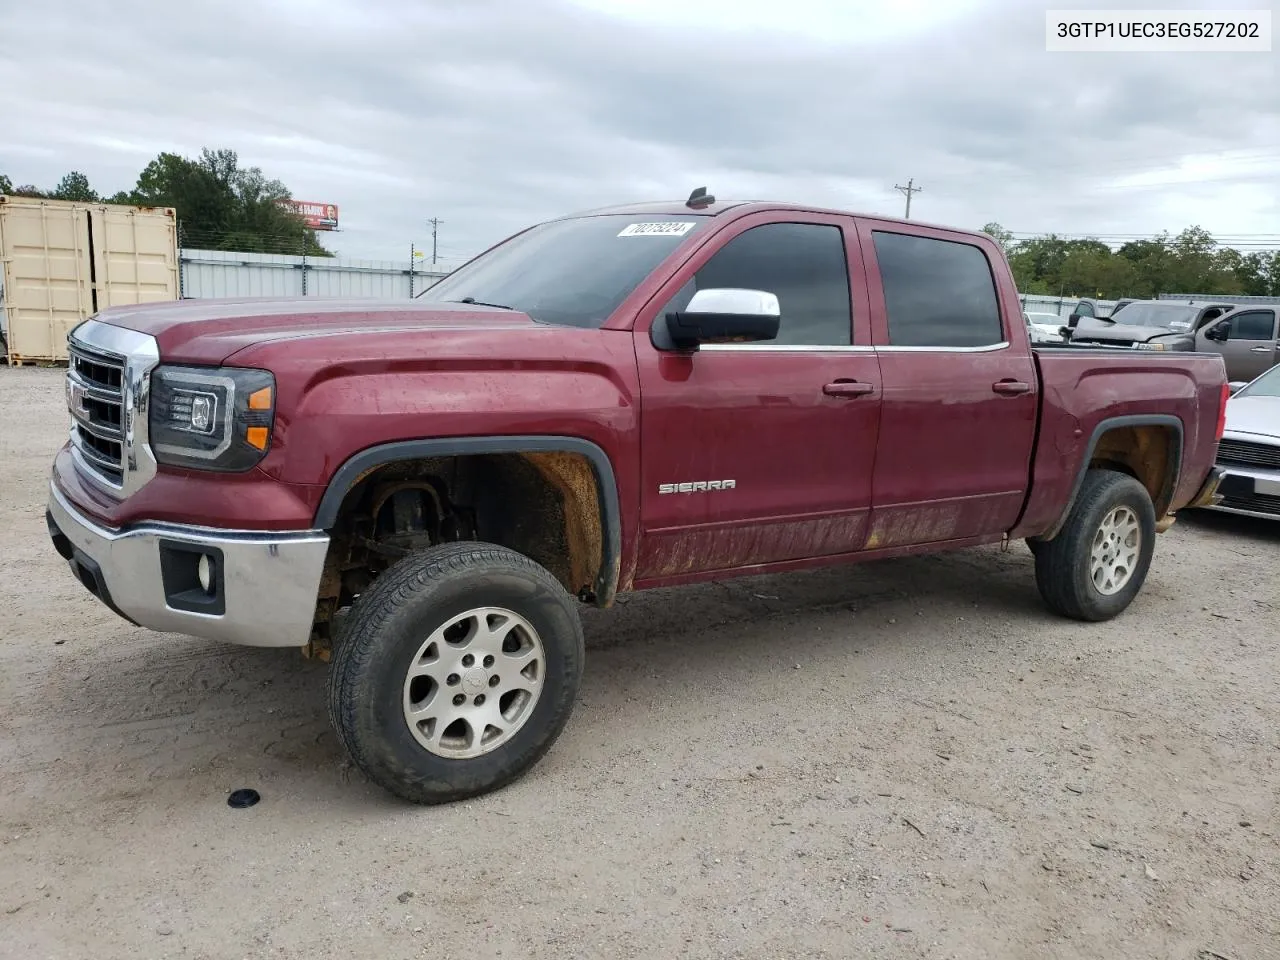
point(221, 205)
point(1190, 262)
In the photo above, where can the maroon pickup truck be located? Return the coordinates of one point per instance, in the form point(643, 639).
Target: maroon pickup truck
point(423, 491)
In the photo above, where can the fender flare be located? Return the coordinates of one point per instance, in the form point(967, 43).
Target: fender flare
point(1165, 420)
point(347, 475)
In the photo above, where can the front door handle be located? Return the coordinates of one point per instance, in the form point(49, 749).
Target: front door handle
point(1261, 349)
point(1011, 387)
point(848, 388)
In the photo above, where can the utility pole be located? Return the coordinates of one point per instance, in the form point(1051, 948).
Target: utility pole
point(435, 223)
point(909, 189)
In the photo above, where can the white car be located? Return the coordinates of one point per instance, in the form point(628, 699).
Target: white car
point(1045, 326)
point(1249, 453)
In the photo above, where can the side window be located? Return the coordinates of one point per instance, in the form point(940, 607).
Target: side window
point(802, 264)
point(937, 293)
point(1254, 325)
point(1083, 309)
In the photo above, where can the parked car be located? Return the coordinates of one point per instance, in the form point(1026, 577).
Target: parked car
point(1149, 325)
point(635, 397)
point(1046, 327)
point(1247, 338)
point(1249, 452)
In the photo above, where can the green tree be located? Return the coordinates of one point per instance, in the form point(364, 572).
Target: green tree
point(1000, 235)
point(74, 186)
point(224, 206)
point(6, 185)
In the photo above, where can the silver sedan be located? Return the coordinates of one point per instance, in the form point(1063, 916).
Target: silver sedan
point(1249, 453)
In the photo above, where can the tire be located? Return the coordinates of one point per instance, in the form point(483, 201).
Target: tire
point(1069, 581)
point(489, 599)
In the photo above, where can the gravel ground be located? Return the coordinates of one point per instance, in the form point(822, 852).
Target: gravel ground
point(906, 759)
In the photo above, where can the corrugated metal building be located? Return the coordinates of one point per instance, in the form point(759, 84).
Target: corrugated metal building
point(222, 273)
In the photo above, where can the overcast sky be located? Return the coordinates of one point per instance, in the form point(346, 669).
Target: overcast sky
point(491, 114)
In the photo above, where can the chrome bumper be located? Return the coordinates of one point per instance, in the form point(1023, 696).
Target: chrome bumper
point(1248, 491)
point(264, 589)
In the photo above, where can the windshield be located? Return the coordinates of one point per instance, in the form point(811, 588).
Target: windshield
point(1046, 318)
point(1267, 385)
point(573, 272)
point(1171, 316)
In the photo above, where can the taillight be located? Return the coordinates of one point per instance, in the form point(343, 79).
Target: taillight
point(1222, 412)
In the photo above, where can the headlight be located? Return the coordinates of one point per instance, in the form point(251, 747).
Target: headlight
point(1175, 342)
point(211, 418)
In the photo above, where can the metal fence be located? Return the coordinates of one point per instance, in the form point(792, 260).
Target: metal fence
point(221, 273)
point(1240, 300)
point(1062, 306)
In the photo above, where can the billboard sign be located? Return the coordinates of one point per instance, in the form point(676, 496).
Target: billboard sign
point(318, 216)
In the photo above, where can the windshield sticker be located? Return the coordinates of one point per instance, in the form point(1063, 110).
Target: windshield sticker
point(672, 228)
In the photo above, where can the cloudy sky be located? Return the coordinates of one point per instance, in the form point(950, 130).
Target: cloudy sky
point(490, 114)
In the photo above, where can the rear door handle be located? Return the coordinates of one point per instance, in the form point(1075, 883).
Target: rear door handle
point(848, 388)
point(1011, 387)
point(1261, 349)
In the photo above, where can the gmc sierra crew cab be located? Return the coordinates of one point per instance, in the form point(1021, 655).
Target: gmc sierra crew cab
point(423, 491)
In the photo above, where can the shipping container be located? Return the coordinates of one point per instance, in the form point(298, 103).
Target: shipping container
point(62, 261)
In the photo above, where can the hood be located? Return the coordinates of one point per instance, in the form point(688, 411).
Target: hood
point(1257, 415)
point(1099, 331)
point(210, 331)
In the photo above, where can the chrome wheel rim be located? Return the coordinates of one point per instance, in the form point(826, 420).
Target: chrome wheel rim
point(473, 683)
point(1116, 546)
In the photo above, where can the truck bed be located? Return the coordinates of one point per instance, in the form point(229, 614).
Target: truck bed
point(1087, 389)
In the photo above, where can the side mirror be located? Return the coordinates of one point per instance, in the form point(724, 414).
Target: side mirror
point(1220, 333)
point(725, 315)
point(1064, 333)
point(1236, 386)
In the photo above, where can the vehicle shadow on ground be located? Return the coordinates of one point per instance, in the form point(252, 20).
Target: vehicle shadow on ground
point(175, 706)
point(1254, 528)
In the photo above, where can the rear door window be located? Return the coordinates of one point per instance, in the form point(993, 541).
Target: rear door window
point(937, 293)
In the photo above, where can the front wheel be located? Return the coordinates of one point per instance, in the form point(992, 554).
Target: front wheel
point(459, 669)
point(1096, 565)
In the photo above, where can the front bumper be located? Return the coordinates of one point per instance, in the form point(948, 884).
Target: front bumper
point(1249, 491)
point(264, 588)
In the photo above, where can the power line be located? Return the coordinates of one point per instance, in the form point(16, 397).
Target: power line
point(908, 190)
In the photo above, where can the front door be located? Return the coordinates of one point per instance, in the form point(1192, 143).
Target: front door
point(1250, 347)
point(760, 453)
point(960, 388)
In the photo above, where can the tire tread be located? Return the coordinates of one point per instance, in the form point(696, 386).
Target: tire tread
point(1057, 561)
point(395, 588)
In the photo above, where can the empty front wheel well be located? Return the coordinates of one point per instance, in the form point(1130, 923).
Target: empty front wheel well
point(556, 506)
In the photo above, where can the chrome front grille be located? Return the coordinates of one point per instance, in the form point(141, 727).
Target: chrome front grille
point(1249, 453)
point(108, 383)
point(95, 398)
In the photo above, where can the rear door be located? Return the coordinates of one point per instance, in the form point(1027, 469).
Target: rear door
point(1250, 347)
point(960, 387)
point(761, 453)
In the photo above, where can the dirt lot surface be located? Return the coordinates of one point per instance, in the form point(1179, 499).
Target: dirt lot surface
point(907, 759)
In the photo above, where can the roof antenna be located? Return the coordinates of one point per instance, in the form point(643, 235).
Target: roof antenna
point(699, 198)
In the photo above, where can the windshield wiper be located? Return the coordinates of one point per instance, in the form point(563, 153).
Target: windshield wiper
point(480, 303)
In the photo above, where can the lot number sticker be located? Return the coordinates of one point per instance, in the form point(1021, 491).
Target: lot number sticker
point(672, 228)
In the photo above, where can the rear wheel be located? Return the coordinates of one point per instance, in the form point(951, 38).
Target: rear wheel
point(1097, 564)
point(457, 671)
